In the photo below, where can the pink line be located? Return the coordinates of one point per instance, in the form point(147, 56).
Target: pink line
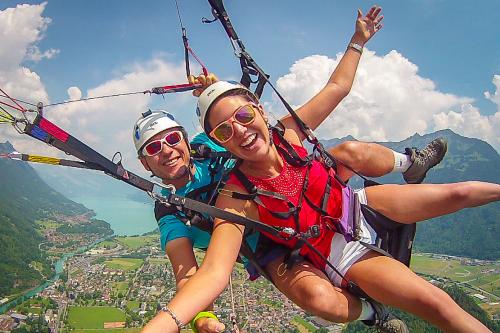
point(53, 130)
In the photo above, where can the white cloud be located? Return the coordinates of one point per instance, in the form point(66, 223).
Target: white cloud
point(34, 54)
point(389, 100)
point(104, 124)
point(471, 122)
point(20, 29)
point(495, 98)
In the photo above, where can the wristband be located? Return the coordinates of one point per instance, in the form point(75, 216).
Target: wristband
point(179, 324)
point(356, 47)
point(203, 314)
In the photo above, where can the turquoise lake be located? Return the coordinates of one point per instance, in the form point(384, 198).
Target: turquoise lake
point(126, 217)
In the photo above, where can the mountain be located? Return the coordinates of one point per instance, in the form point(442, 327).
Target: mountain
point(75, 183)
point(460, 233)
point(24, 199)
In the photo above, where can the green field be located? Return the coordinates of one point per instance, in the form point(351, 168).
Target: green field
point(107, 244)
point(158, 261)
point(125, 264)
point(47, 224)
point(453, 269)
point(471, 277)
point(120, 287)
point(131, 305)
point(305, 324)
point(134, 243)
point(93, 316)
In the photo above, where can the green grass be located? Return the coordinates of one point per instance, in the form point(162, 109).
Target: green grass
point(94, 316)
point(131, 305)
point(125, 264)
point(120, 287)
point(134, 243)
point(454, 270)
point(307, 325)
point(47, 224)
point(158, 261)
point(111, 244)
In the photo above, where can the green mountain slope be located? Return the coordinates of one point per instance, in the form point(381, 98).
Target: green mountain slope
point(25, 198)
point(471, 232)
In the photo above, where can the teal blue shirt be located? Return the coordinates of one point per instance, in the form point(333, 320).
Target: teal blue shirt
point(170, 226)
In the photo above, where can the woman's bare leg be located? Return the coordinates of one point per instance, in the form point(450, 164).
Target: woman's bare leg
point(414, 203)
point(310, 289)
point(392, 283)
point(369, 159)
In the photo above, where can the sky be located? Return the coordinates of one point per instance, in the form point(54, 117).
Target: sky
point(434, 65)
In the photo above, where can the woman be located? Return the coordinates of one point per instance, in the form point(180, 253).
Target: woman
point(163, 148)
point(233, 117)
point(247, 136)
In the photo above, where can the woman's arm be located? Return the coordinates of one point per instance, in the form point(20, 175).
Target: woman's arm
point(213, 275)
point(317, 109)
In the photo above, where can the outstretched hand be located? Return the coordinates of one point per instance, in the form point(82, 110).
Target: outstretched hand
point(367, 26)
point(205, 81)
point(209, 325)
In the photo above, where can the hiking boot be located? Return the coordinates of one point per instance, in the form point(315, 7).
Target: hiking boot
point(386, 322)
point(424, 159)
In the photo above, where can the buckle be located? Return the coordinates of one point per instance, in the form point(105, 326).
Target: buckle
point(330, 222)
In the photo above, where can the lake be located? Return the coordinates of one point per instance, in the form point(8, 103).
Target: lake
point(126, 217)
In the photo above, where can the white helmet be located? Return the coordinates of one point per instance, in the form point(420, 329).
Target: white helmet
point(210, 94)
point(149, 124)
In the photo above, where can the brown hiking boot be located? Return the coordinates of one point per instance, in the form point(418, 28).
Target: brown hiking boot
point(424, 159)
point(385, 322)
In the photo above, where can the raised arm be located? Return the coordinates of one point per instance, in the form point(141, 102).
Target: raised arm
point(213, 275)
point(316, 110)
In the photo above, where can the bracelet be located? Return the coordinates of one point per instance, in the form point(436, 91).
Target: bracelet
point(203, 314)
point(355, 47)
point(179, 323)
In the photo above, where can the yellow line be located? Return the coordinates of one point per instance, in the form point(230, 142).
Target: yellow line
point(43, 159)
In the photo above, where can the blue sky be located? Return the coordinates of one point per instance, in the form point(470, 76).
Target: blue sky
point(447, 51)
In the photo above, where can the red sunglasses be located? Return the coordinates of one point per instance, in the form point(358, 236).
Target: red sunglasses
point(171, 139)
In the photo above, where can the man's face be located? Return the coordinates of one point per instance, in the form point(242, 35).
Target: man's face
point(172, 162)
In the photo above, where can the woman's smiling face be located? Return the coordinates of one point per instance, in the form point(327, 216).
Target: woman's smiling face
point(248, 142)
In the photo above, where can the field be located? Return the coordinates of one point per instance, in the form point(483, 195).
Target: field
point(108, 244)
point(131, 305)
point(94, 317)
point(134, 243)
point(474, 279)
point(125, 264)
point(303, 325)
point(158, 261)
point(483, 276)
point(120, 287)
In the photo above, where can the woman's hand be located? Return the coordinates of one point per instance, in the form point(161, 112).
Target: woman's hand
point(205, 81)
point(209, 325)
point(367, 26)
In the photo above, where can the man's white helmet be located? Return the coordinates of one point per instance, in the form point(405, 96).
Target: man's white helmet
point(210, 94)
point(149, 124)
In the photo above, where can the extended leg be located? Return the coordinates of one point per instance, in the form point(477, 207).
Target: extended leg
point(414, 203)
point(392, 283)
point(374, 160)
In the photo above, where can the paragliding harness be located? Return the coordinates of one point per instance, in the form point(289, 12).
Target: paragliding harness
point(394, 239)
point(207, 193)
